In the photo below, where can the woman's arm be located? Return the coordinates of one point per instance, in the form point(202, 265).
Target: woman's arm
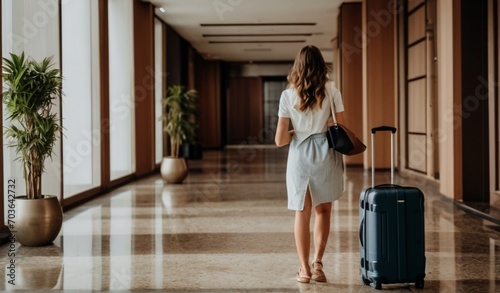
point(283, 136)
point(340, 119)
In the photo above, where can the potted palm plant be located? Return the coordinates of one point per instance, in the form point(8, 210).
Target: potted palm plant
point(180, 105)
point(30, 90)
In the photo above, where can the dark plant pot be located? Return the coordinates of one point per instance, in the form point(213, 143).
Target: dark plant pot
point(192, 151)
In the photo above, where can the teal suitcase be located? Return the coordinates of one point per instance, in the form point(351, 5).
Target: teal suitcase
point(391, 233)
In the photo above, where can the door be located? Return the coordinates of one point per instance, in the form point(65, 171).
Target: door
point(245, 119)
point(421, 107)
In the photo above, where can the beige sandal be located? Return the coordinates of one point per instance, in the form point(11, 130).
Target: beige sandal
point(317, 272)
point(302, 278)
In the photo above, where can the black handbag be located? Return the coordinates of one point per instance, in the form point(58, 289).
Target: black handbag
point(341, 139)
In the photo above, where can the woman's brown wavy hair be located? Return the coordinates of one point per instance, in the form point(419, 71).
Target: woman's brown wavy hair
point(308, 77)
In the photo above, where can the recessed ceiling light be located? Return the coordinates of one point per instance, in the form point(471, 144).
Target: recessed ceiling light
point(261, 24)
point(162, 10)
point(257, 35)
point(255, 42)
point(259, 50)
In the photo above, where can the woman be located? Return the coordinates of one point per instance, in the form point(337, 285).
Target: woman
point(314, 175)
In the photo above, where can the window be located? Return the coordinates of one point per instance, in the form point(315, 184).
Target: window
point(159, 88)
point(121, 88)
point(80, 66)
point(32, 27)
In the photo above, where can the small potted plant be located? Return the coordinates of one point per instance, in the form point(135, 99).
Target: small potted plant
point(180, 106)
point(30, 90)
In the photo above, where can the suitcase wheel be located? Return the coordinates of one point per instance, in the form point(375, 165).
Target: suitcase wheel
point(365, 280)
point(419, 284)
point(378, 284)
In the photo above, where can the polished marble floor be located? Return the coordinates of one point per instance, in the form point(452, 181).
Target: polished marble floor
point(227, 229)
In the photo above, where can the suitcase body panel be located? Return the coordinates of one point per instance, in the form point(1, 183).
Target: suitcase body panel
point(392, 241)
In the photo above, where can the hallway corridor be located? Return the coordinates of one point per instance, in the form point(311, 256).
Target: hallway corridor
point(227, 229)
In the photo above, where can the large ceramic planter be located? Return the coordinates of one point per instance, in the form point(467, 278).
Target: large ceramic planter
point(174, 170)
point(37, 221)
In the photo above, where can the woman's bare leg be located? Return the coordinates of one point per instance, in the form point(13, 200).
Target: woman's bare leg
point(321, 232)
point(303, 234)
point(321, 229)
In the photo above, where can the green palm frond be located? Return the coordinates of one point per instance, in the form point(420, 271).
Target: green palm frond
point(30, 90)
point(181, 109)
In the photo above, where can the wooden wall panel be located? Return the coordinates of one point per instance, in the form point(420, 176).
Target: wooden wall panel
point(237, 111)
point(244, 109)
point(474, 85)
point(104, 91)
point(144, 87)
point(351, 61)
point(414, 3)
point(380, 99)
point(449, 67)
point(256, 106)
point(177, 66)
point(177, 59)
point(207, 83)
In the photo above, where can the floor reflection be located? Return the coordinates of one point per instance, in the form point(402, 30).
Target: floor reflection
point(36, 269)
point(227, 229)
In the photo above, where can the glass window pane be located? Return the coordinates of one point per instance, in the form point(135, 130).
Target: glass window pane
point(159, 90)
point(32, 27)
point(121, 87)
point(80, 53)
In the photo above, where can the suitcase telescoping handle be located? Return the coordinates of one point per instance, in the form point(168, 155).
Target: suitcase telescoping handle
point(393, 132)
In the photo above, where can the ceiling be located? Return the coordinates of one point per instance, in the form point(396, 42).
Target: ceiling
point(252, 30)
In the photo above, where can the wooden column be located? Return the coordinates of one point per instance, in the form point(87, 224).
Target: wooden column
point(379, 84)
point(449, 89)
point(474, 97)
point(207, 82)
point(351, 61)
point(144, 87)
point(104, 91)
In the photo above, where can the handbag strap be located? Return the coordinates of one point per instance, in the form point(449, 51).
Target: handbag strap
point(332, 107)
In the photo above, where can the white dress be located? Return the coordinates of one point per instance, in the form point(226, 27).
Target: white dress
point(310, 161)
